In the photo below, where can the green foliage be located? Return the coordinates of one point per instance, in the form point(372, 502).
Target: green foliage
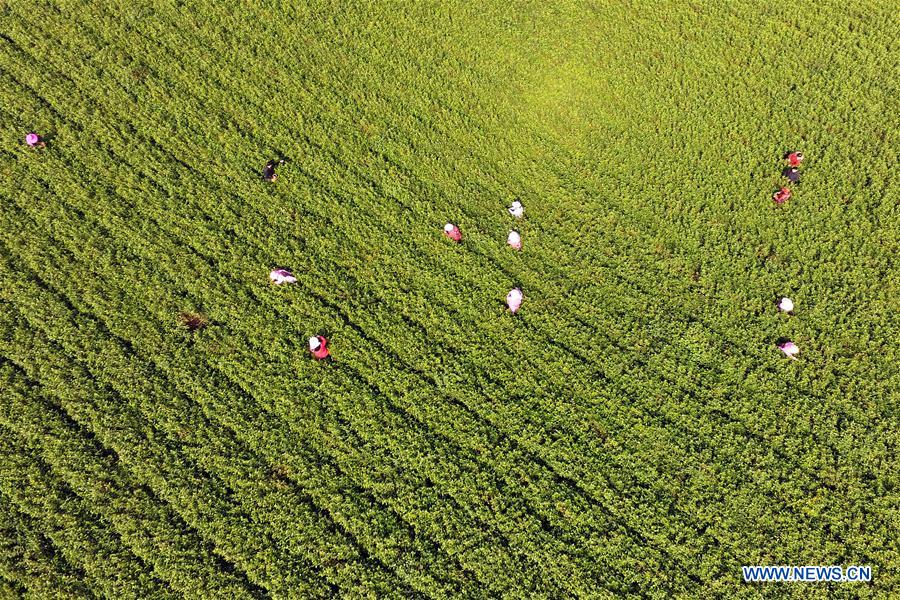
point(631, 432)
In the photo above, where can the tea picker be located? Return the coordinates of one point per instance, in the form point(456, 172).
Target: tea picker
point(792, 174)
point(790, 349)
point(279, 276)
point(318, 347)
point(786, 305)
point(781, 196)
point(452, 232)
point(514, 299)
point(269, 170)
point(34, 140)
point(794, 158)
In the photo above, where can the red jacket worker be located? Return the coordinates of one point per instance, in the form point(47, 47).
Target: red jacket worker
point(794, 158)
point(318, 347)
point(452, 232)
point(781, 196)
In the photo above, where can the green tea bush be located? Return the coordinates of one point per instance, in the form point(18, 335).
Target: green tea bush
point(632, 431)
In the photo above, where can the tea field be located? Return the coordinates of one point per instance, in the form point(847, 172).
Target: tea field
point(632, 431)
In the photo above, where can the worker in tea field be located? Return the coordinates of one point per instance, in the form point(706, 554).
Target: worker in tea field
point(781, 196)
point(279, 276)
point(318, 347)
point(34, 140)
point(514, 240)
point(452, 232)
point(792, 174)
point(269, 170)
point(514, 299)
point(786, 305)
point(794, 158)
point(516, 209)
point(789, 348)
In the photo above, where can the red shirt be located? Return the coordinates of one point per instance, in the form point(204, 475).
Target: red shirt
point(454, 234)
point(782, 195)
point(322, 351)
point(794, 159)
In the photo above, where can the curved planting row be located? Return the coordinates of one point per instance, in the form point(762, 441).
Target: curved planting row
point(143, 340)
point(282, 531)
point(607, 421)
point(147, 527)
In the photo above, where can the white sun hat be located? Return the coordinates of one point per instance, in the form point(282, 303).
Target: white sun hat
point(790, 349)
point(279, 276)
point(449, 227)
point(786, 304)
point(314, 343)
point(514, 239)
point(516, 209)
point(514, 299)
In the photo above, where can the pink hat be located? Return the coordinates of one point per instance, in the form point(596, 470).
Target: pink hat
point(32, 138)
